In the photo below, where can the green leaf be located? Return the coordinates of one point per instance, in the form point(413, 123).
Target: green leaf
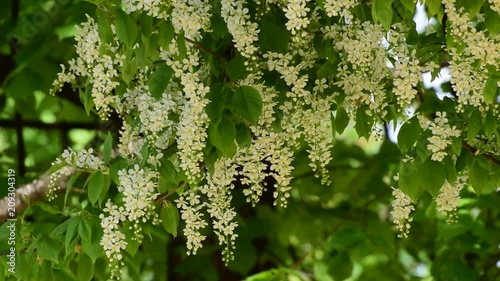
point(478, 177)
point(247, 103)
point(85, 229)
point(219, 27)
point(235, 68)
point(70, 234)
point(129, 69)
point(108, 147)
point(471, 7)
point(364, 123)
point(140, 54)
point(85, 270)
point(433, 7)
point(146, 24)
point(103, 26)
point(243, 135)
point(341, 120)
point(431, 174)
point(222, 135)
point(326, 70)
point(91, 246)
point(170, 218)
point(218, 97)
point(95, 186)
point(117, 164)
point(49, 208)
point(167, 171)
point(491, 125)
point(474, 125)
point(410, 5)
point(340, 266)
point(456, 146)
point(382, 12)
point(490, 91)
point(275, 37)
point(414, 179)
point(407, 174)
point(451, 171)
point(48, 249)
point(86, 98)
point(408, 134)
point(70, 184)
point(166, 33)
point(159, 80)
point(491, 20)
point(181, 46)
point(60, 229)
point(125, 28)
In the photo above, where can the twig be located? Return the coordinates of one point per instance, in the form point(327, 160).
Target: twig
point(202, 48)
point(474, 150)
point(167, 194)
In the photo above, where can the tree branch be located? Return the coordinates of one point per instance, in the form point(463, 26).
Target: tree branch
point(474, 150)
point(35, 190)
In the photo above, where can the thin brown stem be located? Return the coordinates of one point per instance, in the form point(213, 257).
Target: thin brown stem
point(202, 48)
point(165, 195)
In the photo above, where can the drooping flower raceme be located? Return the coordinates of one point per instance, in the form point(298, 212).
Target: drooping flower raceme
point(449, 196)
point(442, 133)
point(401, 210)
point(245, 33)
point(138, 187)
point(99, 68)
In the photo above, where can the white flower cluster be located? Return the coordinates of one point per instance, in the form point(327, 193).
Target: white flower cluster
point(401, 209)
point(153, 114)
point(467, 75)
point(153, 8)
point(318, 135)
point(407, 70)
point(99, 68)
point(245, 33)
point(495, 5)
point(341, 8)
point(70, 160)
point(193, 123)
point(467, 82)
point(296, 13)
point(138, 187)
point(441, 136)
point(82, 159)
point(218, 190)
point(113, 240)
point(362, 68)
point(274, 149)
point(267, 146)
point(191, 16)
point(191, 207)
point(54, 179)
point(449, 196)
point(315, 111)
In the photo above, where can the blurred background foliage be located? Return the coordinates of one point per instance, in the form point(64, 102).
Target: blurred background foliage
point(341, 232)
